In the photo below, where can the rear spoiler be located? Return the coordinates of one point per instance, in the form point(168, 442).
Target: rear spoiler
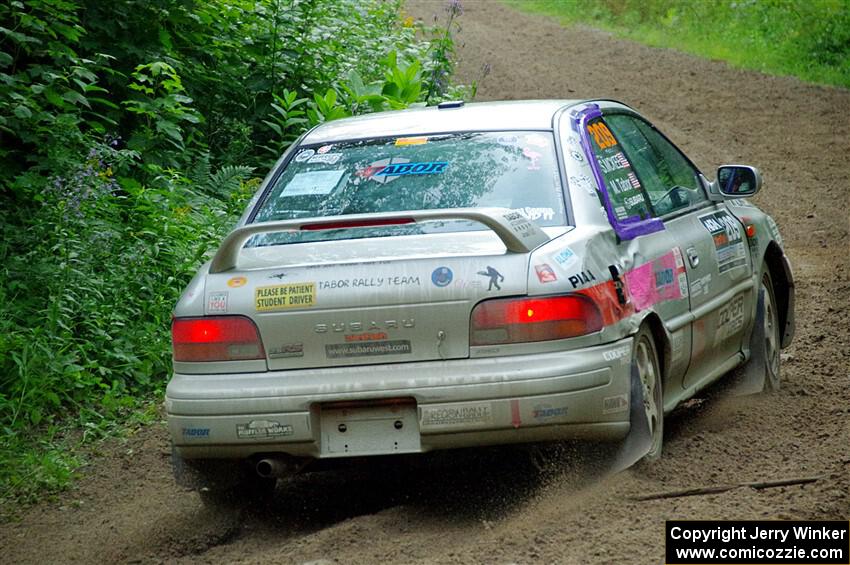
point(518, 233)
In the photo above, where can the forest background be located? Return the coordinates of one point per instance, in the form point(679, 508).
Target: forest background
point(133, 132)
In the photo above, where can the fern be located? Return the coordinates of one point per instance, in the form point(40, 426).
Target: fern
point(226, 181)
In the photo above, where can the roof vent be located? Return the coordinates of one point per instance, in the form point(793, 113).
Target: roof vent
point(450, 104)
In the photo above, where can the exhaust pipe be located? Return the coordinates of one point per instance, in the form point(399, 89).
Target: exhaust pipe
point(280, 467)
point(272, 468)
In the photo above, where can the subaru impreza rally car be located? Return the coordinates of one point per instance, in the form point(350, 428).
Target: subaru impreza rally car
point(470, 275)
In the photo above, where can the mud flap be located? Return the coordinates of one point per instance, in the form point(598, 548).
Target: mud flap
point(751, 379)
point(639, 441)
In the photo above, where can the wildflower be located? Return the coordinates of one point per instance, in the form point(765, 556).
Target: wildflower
point(454, 8)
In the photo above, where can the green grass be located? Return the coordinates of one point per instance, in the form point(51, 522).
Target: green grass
point(44, 462)
point(809, 39)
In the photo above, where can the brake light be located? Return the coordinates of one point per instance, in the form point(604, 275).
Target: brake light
point(216, 338)
point(518, 320)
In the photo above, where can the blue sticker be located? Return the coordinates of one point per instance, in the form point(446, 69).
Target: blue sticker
point(566, 257)
point(442, 276)
point(425, 168)
point(196, 432)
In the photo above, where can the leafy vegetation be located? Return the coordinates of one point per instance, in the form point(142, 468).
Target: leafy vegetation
point(133, 133)
point(809, 39)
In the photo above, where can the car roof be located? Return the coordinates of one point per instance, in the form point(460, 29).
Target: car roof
point(481, 116)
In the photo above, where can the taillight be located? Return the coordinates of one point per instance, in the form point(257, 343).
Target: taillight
point(518, 320)
point(216, 338)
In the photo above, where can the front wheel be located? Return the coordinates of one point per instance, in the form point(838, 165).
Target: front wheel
point(771, 338)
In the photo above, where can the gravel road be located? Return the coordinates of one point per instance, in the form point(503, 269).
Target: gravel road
point(554, 505)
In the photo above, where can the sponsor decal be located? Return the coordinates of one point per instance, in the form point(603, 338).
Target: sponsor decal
point(403, 141)
point(545, 273)
point(287, 350)
point(261, 429)
point(614, 404)
point(727, 234)
point(304, 155)
point(700, 285)
point(580, 278)
point(577, 156)
point(548, 412)
point(565, 257)
point(424, 168)
point(374, 282)
point(217, 302)
point(537, 213)
point(507, 140)
point(495, 278)
point(366, 336)
point(194, 433)
point(340, 327)
point(533, 156)
point(442, 276)
point(284, 296)
point(659, 280)
point(521, 225)
point(236, 282)
point(324, 149)
point(730, 318)
point(583, 183)
point(368, 173)
point(619, 353)
point(466, 283)
point(466, 414)
point(368, 349)
point(277, 275)
point(326, 158)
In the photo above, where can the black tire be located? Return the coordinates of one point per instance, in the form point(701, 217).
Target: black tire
point(645, 358)
point(771, 341)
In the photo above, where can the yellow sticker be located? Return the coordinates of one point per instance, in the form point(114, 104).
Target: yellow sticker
point(411, 141)
point(236, 282)
point(283, 296)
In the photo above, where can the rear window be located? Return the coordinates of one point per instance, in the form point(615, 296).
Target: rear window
point(514, 170)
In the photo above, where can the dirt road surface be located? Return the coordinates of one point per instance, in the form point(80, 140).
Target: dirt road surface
point(502, 507)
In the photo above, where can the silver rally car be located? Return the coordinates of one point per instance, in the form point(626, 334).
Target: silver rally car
point(469, 275)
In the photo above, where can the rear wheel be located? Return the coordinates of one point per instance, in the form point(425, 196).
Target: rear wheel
point(645, 359)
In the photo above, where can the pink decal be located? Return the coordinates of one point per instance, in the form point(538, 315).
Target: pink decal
point(655, 282)
point(534, 156)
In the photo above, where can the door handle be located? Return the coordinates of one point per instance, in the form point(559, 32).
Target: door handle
point(693, 257)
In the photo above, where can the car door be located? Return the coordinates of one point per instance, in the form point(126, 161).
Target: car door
point(711, 242)
point(654, 270)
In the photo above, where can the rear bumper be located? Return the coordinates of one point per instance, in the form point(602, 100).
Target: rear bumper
point(576, 394)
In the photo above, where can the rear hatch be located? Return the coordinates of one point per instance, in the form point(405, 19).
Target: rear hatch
point(381, 300)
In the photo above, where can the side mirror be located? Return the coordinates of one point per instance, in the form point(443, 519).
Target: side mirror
point(738, 181)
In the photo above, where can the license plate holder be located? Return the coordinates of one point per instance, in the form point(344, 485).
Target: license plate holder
point(369, 430)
